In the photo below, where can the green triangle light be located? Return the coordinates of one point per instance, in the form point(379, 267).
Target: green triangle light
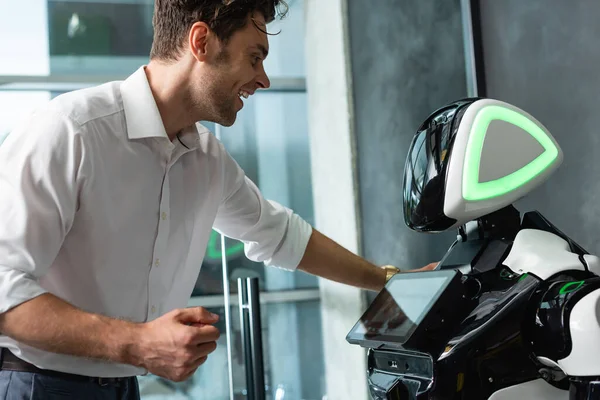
point(214, 253)
point(472, 189)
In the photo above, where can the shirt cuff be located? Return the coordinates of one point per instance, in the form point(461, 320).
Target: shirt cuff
point(292, 247)
point(17, 287)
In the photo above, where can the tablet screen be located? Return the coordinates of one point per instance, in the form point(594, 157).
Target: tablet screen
point(401, 306)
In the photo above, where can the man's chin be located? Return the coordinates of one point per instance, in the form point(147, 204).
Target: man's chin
point(227, 122)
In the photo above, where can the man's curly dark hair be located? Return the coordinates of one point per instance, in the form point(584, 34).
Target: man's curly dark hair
point(173, 18)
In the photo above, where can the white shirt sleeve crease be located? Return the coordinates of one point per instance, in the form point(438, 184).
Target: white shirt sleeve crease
point(39, 187)
point(271, 233)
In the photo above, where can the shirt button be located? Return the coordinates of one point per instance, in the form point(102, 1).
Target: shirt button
point(153, 309)
point(157, 262)
point(164, 215)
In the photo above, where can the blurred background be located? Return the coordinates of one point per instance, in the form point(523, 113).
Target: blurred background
point(351, 82)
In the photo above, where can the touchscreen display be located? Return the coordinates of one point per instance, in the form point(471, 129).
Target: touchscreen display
point(401, 305)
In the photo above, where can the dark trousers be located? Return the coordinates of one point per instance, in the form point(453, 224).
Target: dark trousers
point(16, 385)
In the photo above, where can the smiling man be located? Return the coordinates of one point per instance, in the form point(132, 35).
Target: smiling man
point(108, 196)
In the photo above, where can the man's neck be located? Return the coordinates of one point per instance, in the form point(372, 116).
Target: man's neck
point(170, 90)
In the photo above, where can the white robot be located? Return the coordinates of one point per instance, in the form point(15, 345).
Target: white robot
point(513, 309)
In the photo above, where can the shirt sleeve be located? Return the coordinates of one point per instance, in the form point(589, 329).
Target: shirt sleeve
point(39, 163)
point(271, 233)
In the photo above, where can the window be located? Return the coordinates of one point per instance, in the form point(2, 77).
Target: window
point(75, 44)
point(16, 105)
point(99, 37)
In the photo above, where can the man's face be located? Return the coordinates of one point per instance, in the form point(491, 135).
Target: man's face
point(234, 73)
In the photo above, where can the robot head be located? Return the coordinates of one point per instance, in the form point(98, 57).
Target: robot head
point(473, 157)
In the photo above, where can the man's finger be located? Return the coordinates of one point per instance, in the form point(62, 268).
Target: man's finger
point(428, 267)
point(197, 315)
point(431, 266)
point(204, 334)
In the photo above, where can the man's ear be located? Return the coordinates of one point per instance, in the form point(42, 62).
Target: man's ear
point(202, 41)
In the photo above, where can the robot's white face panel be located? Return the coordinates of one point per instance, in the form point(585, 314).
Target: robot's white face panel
point(498, 138)
point(505, 150)
point(500, 153)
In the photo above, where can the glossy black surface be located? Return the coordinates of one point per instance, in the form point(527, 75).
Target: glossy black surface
point(426, 167)
point(490, 350)
point(416, 372)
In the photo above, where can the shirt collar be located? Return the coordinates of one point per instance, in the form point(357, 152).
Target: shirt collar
point(141, 112)
point(142, 116)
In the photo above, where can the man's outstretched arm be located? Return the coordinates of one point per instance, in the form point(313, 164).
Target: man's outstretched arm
point(275, 235)
point(325, 258)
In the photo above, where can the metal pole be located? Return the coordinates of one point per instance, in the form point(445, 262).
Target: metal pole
point(473, 47)
point(246, 341)
point(249, 304)
point(258, 370)
point(226, 302)
point(471, 70)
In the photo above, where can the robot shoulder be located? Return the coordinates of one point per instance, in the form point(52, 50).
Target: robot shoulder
point(545, 254)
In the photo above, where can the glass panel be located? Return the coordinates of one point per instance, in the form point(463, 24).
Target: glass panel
point(95, 37)
point(293, 359)
point(15, 106)
point(89, 37)
point(24, 33)
point(286, 44)
point(293, 350)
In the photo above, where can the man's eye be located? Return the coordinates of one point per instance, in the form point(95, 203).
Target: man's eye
point(255, 60)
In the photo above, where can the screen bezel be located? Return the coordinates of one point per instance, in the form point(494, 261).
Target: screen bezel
point(379, 341)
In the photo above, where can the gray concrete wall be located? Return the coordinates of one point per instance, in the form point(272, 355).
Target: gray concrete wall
point(407, 60)
point(543, 56)
point(334, 186)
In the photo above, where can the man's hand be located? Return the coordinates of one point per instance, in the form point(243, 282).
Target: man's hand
point(176, 344)
point(428, 267)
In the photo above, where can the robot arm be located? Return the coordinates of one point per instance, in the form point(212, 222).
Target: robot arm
point(567, 316)
point(564, 330)
point(582, 364)
point(567, 335)
point(584, 331)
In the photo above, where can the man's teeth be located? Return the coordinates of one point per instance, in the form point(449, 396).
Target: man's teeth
point(244, 94)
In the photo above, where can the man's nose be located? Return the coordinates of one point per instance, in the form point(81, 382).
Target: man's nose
point(262, 81)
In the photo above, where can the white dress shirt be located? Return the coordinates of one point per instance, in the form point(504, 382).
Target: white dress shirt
point(101, 209)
